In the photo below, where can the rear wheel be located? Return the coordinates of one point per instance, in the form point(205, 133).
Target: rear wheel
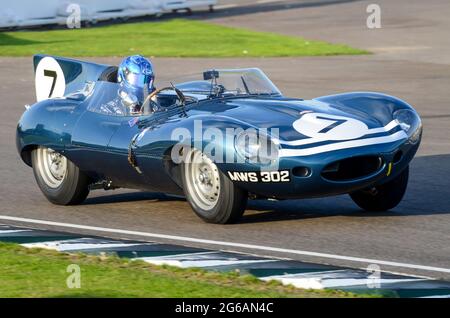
point(58, 178)
point(212, 196)
point(383, 197)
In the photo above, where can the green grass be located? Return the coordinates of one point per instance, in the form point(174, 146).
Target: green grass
point(174, 38)
point(42, 273)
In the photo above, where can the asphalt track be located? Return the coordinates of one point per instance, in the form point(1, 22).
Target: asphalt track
point(411, 61)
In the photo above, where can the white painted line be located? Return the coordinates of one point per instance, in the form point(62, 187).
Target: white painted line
point(198, 263)
point(2, 232)
point(227, 244)
point(437, 296)
point(78, 244)
point(333, 279)
point(185, 255)
point(268, 1)
point(225, 6)
point(205, 259)
point(305, 283)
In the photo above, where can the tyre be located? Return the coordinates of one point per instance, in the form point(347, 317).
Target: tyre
point(212, 196)
point(383, 197)
point(58, 178)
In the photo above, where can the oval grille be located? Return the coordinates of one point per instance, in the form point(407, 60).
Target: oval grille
point(352, 168)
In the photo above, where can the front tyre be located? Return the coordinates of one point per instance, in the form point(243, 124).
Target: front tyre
point(383, 197)
point(58, 178)
point(212, 196)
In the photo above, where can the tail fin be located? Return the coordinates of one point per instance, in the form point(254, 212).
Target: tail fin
point(58, 76)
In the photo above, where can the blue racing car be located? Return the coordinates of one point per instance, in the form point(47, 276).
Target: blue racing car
point(217, 138)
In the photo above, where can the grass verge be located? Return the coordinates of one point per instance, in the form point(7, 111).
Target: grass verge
point(173, 38)
point(43, 273)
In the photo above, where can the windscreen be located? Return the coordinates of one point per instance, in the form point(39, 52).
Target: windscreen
point(228, 82)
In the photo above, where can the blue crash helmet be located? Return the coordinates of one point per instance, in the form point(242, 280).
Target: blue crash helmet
point(135, 77)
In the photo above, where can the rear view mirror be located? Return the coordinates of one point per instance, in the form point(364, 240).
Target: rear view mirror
point(211, 74)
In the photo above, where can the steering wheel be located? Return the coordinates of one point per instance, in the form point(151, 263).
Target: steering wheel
point(149, 98)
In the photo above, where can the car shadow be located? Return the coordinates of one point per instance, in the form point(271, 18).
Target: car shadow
point(130, 197)
point(6, 39)
point(428, 193)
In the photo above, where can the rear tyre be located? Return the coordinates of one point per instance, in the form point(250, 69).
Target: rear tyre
point(58, 178)
point(383, 197)
point(212, 196)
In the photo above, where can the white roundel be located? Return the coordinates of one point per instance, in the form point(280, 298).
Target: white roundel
point(330, 127)
point(49, 79)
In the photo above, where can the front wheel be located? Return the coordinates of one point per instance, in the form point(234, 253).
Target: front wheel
point(58, 178)
point(383, 197)
point(212, 196)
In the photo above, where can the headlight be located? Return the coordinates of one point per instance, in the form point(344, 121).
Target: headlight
point(257, 148)
point(410, 122)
